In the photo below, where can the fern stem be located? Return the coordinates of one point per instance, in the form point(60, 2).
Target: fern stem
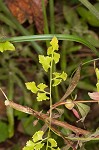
point(51, 72)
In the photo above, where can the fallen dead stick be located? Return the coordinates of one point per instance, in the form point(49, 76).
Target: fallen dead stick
point(46, 118)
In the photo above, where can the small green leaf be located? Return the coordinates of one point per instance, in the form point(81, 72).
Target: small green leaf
point(6, 46)
point(52, 142)
point(31, 86)
point(54, 43)
point(58, 78)
point(56, 82)
point(37, 136)
point(97, 73)
point(3, 131)
point(42, 86)
point(97, 85)
point(58, 148)
point(27, 148)
point(42, 96)
point(56, 57)
point(90, 16)
point(29, 145)
point(56, 74)
point(45, 61)
point(63, 76)
point(83, 109)
point(50, 50)
point(38, 146)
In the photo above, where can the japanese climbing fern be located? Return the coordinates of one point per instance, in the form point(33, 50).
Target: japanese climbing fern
point(56, 78)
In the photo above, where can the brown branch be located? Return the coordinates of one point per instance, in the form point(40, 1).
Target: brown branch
point(25, 109)
point(75, 102)
point(68, 142)
point(46, 118)
point(70, 127)
point(53, 122)
point(57, 132)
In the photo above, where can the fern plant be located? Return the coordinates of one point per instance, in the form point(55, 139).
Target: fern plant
point(56, 78)
point(37, 142)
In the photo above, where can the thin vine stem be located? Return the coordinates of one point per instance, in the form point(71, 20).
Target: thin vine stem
point(75, 102)
point(51, 72)
point(93, 60)
point(87, 101)
point(83, 139)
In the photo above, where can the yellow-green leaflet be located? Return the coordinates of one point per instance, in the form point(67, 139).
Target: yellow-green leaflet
point(4, 46)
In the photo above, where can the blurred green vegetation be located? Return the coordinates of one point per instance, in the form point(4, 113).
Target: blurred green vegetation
point(16, 68)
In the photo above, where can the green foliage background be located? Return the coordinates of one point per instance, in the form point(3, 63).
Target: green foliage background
point(22, 65)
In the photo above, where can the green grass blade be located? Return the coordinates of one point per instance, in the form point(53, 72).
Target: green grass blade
point(52, 20)
point(49, 37)
point(91, 8)
point(46, 28)
point(7, 21)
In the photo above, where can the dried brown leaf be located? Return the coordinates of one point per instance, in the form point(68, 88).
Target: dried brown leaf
point(73, 84)
point(30, 10)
